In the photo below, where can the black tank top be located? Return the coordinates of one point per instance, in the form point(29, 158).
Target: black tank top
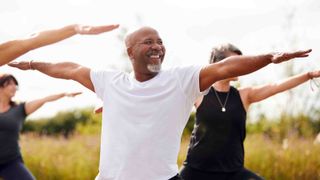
point(216, 143)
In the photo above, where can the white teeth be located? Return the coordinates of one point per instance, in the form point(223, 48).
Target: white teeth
point(154, 56)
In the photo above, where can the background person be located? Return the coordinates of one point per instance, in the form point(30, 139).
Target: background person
point(216, 148)
point(12, 117)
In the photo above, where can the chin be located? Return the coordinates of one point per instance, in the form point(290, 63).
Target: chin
point(12, 94)
point(154, 68)
point(234, 79)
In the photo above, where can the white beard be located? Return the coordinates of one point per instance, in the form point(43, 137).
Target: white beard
point(155, 68)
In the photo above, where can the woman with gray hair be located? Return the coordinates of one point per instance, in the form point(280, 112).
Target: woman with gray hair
point(216, 148)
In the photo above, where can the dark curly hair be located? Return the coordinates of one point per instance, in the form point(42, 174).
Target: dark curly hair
point(5, 79)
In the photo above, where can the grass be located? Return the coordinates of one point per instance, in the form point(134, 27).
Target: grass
point(291, 159)
point(52, 158)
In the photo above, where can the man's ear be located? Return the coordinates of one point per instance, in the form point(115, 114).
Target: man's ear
point(129, 52)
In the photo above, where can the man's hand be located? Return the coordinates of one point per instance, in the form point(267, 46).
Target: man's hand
point(98, 110)
point(281, 57)
point(72, 94)
point(314, 74)
point(23, 65)
point(92, 30)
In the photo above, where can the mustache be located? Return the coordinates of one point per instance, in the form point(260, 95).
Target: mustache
point(155, 52)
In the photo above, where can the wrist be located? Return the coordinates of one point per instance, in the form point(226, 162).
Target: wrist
point(309, 74)
point(269, 57)
point(272, 57)
point(76, 28)
point(30, 65)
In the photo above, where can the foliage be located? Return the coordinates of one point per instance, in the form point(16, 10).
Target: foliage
point(84, 121)
point(285, 126)
point(64, 123)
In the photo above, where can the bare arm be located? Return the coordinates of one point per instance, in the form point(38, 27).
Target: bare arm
point(255, 94)
point(36, 104)
point(63, 70)
point(239, 65)
point(13, 49)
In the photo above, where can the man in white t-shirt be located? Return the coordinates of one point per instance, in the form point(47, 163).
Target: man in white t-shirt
point(148, 109)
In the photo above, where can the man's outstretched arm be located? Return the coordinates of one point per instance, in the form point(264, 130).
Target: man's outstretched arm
point(62, 70)
point(13, 49)
point(234, 66)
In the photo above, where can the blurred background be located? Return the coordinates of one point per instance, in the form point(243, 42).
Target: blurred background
point(282, 130)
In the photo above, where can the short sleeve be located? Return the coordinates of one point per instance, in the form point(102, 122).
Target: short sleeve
point(100, 80)
point(22, 109)
point(189, 79)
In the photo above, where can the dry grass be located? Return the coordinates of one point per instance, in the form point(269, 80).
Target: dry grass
point(77, 158)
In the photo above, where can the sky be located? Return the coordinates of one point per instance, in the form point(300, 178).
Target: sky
point(189, 30)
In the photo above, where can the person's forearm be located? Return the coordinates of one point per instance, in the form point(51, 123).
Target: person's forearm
point(36, 104)
point(232, 66)
point(262, 92)
point(240, 65)
point(63, 70)
point(291, 82)
point(11, 50)
point(53, 97)
point(50, 36)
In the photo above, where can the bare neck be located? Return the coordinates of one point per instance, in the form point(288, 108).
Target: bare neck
point(144, 77)
point(222, 86)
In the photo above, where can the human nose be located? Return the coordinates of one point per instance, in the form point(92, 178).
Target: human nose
point(156, 46)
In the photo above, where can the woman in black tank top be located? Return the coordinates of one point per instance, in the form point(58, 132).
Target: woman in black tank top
point(216, 146)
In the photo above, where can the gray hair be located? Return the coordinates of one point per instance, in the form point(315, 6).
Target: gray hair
point(219, 53)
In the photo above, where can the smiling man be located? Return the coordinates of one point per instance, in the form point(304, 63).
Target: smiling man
point(148, 109)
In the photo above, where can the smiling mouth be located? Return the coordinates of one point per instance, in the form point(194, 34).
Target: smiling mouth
point(155, 59)
point(155, 54)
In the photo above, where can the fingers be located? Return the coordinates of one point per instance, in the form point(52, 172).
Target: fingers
point(73, 94)
point(95, 29)
point(302, 53)
point(305, 51)
point(280, 57)
point(110, 27)
point(15, 64)
point(101, 29)
point(308, 51)
point(98, 110)
point(76, 93)
point(315, 74)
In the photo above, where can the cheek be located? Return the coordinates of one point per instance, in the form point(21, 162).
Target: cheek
point(12, 88)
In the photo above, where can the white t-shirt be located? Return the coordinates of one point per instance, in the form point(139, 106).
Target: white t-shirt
point(142, 122)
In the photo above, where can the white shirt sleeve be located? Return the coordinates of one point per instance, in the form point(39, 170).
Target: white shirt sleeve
point(189, 79)
point(100, 80)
